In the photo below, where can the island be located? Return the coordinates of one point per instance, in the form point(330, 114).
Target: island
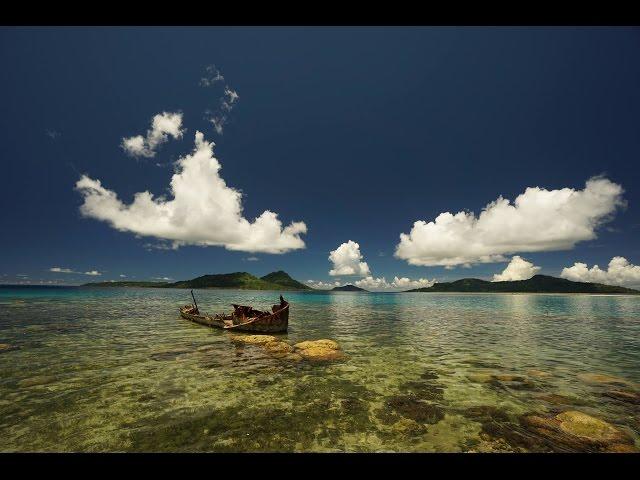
point(348, 288)
point(536, 284)
point(239, 280)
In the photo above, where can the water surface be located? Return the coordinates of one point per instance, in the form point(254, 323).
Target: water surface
point(117, 369)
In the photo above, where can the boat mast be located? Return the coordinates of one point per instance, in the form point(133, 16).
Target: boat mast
point(194, 301)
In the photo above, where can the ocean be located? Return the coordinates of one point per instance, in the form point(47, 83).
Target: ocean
point(118, 370)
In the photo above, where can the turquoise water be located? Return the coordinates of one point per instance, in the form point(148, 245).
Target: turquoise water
point(118, 370)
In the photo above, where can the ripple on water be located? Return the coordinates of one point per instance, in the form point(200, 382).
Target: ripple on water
point(119, 370)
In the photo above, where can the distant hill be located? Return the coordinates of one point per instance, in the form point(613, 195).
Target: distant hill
point(238, 280)
point(348, 288)
point(283, 279)
point(536, 284)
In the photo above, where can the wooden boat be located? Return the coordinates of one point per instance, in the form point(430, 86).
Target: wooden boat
point(243, 318)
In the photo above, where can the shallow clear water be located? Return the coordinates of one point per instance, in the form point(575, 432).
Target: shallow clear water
point(119, 370)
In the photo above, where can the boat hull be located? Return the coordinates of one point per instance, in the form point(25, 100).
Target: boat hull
point(277, 321)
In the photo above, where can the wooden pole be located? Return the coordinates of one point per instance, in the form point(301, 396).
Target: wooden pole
point(194, 301)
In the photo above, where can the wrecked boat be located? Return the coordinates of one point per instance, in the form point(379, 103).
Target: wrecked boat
point(243, 318)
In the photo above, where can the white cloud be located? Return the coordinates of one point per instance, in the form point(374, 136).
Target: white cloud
point(123, 276)
point(226, 102)
point(539, 220)
point(398, 284)
point(620, 272)
point(163, 278)
point(61, 270)
point(252, 259)
point(212, 76)
point(68, 270)
point(518, 269)
point(163, 125)
point(347, 260)
point(204, 211)
point(322, 285)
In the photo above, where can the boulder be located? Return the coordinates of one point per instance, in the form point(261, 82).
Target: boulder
point(255, 339)
point(578, 431)
point(319, 350)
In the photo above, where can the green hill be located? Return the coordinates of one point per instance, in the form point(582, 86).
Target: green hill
point(536, 284)
point(283, 279)
point(348, 288)
point(239, 280)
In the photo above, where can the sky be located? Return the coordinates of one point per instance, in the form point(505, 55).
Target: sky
point(350, 155)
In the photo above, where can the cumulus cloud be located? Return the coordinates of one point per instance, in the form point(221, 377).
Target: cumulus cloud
point(398, 284)
point(204, 211)
point(538, 220)
point(322, 285)
point(92, 273)
point(620, 272)
point(251, 259)
point(347, 260)
point(518, 269)
point(163, 125)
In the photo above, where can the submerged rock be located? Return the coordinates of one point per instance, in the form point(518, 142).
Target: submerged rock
point(602, 378)
point(578, 431)
point(486, 413)
point(410, 407)
point(538, 373)
point(255, 339)
point(424, 390)
point(406, 426)
point(5, 347)
point(319, 350)
point(278, 349)
point(590, 428)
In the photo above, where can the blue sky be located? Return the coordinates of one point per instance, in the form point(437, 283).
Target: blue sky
point(357, 132)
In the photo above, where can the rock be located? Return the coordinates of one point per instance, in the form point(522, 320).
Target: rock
point(602, 378)
point(5, 347)
point(589, 428)
point(486, 412)
point(410, 407)
point(278, 349)
point(538, 373)
point(294, 357)
point(39, 380)
point(622, 448)
point(255, 339)
point(429, 375)
point(319, 350)
point(407, 426)
point(577, 431)
point(624, 396)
